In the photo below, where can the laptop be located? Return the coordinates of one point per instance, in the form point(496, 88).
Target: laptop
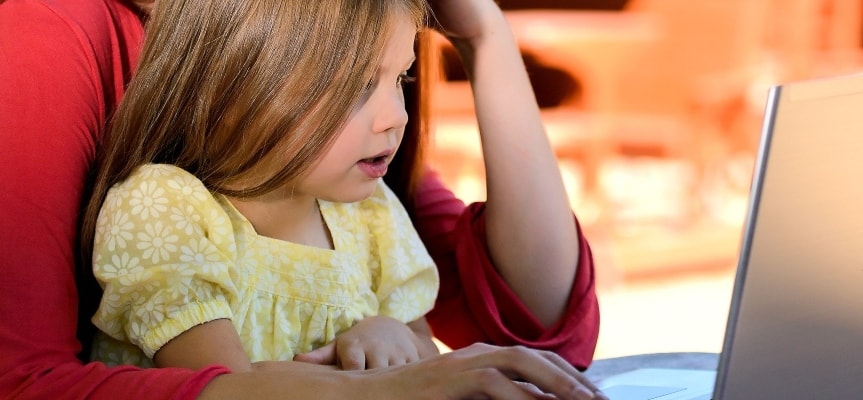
point(795, 324)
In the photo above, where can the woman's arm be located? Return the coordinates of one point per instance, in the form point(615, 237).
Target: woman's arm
point(475, 304)
point(465, 373)
point(529, 225)
point(516, 270)
point(478, 371)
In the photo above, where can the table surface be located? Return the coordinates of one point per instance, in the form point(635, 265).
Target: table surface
point(601, 369)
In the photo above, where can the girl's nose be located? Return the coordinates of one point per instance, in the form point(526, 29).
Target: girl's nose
point(391, 112)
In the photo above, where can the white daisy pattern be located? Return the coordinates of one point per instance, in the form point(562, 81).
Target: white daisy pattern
point(171, 255)
point(185, 218)
point(148, 200)
point(157, 241)
point(198, 252)
point(117, 232)
point(120, 265)
point(401, 302)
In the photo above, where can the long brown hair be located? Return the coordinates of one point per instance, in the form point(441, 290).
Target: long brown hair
point(222, 85)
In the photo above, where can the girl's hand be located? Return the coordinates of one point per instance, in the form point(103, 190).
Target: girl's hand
point(374, 342)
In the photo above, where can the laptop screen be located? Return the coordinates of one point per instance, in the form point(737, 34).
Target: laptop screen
point(795, 326)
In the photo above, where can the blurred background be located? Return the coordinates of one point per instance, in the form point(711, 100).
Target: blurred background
point(654, 108)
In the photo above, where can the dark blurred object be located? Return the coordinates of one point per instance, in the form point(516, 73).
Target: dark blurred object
point(609, 5)
point(552, 86)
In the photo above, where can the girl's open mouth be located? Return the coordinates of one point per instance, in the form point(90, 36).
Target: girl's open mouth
point(374, 167)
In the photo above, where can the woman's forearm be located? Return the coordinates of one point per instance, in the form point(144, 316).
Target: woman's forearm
point(531, 233)
point(302, 383)
point(477, 371)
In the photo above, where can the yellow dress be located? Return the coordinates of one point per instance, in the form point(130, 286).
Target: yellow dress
point(170, 255)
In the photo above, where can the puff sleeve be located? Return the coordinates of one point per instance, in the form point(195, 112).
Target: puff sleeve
point(162, 253)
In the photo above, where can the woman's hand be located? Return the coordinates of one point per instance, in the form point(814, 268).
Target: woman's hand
point(465, 20)
point(375, 342)
point(482, 371)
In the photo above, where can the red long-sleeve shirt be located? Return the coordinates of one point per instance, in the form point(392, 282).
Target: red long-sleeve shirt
point(63, 67)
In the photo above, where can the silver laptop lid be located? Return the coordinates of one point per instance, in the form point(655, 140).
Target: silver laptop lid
point(795, 327)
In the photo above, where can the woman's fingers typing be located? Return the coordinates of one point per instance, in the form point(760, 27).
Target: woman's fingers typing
point(546, 370)
point(482, 371)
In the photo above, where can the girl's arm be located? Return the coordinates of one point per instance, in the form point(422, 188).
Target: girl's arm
point(217, 343)
point(530, 231)
point(211, 343)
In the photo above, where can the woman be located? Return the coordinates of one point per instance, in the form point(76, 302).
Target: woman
point(63, 67)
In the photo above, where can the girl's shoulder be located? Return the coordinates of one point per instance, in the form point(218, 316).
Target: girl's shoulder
point(163, 181)
point(169, 202)
point(163, 174)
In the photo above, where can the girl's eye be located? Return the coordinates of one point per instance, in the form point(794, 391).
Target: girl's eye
point(405, 78)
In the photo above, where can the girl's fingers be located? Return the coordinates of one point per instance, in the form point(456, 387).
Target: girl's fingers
point(324, 355)
point(351, 357)
point(377, 359)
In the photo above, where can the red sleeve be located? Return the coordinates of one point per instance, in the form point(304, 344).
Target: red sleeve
point(475, 304)
point(62, 66)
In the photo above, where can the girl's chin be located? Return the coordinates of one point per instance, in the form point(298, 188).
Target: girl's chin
point(357, 193)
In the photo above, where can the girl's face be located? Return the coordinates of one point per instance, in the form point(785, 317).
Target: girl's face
point(349, 170)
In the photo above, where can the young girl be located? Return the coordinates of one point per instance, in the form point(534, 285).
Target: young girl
point(238, 214)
